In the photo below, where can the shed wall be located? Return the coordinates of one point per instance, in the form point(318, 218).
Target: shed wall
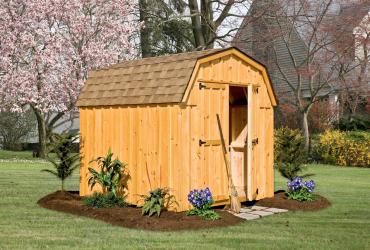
point(157, 138)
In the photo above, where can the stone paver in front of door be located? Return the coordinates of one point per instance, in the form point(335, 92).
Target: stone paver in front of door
point(256, 212)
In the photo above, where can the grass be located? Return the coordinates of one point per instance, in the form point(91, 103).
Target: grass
point(7, 156)
point(10, 155)
point(24, 225)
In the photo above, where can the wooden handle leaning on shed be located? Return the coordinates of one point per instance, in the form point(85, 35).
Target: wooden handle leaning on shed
point(234, 200)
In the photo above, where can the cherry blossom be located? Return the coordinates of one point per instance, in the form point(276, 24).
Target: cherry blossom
point(47, 48)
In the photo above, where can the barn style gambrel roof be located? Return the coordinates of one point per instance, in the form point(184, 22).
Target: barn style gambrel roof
point(154, 80)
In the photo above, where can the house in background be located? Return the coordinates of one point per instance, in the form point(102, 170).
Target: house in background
point(67, 125)
point(355, 19)
point(251, 38)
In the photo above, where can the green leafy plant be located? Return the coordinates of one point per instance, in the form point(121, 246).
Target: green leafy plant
point(67, 161)
point(106, 200)
point(301, 195)
point(351, 123)
point(206, 214)
point(110, 175)
point(156, 201)
point(290, 154)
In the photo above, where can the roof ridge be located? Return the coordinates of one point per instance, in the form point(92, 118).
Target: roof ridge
point(147, 60)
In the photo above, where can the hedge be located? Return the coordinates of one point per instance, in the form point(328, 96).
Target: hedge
point(344, 148)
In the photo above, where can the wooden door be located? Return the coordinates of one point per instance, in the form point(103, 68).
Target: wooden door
point(213, 100)
point(253, 143)
point(238, 147)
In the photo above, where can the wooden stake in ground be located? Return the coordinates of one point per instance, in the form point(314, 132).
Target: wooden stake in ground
point(234, 199)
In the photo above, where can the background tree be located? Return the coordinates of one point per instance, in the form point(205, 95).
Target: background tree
point(214, 20)
point(173, 26)
point(47, 48)
point(316, 71)
point(15, 128)
point(163, 31)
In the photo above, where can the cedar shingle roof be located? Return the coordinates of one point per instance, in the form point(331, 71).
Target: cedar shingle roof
point(150, 80)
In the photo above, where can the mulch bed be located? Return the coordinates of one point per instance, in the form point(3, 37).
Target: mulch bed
point(130, 217)
point(280, 200)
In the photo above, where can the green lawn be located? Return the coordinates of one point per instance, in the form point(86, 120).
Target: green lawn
point(7, 156)
point(11, 155)
point(346, 225)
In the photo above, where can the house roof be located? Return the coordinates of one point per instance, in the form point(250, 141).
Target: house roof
point(151, 80)
point(251, 38)
point(352, 14)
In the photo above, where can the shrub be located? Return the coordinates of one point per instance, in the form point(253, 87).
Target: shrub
point(201, 200)
point(352, 123)
point(321, 116)
point(110, 175)
point(289, 152)
point(287, 115)
point(344, 148)
point(15, 128)
point(300, 190)
point(155, 201)
point(67, 160)
point(107, 200)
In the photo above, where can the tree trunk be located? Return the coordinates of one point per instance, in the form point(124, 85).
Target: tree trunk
point(145, 42)
point(196, 24)
point(41, 127)
point(306, 131)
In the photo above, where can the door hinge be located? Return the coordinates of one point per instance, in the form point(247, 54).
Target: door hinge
point(255, 141)
point(201, 142)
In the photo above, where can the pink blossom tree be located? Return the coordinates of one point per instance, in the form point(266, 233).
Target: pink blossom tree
point(47, 48)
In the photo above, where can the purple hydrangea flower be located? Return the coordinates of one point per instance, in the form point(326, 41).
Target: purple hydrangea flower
point(200, 198)
point(297, 183)
point(310, 185)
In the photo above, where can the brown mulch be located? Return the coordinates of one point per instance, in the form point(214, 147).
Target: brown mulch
point(130, 217)
point(280, 200)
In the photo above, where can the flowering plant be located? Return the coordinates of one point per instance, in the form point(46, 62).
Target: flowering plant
point(201, 200)
point(301, 190)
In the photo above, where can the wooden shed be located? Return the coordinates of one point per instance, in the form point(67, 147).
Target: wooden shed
point(160, 114)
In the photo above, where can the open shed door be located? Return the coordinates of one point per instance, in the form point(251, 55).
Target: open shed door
point(213, 100)
point(253, 143)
